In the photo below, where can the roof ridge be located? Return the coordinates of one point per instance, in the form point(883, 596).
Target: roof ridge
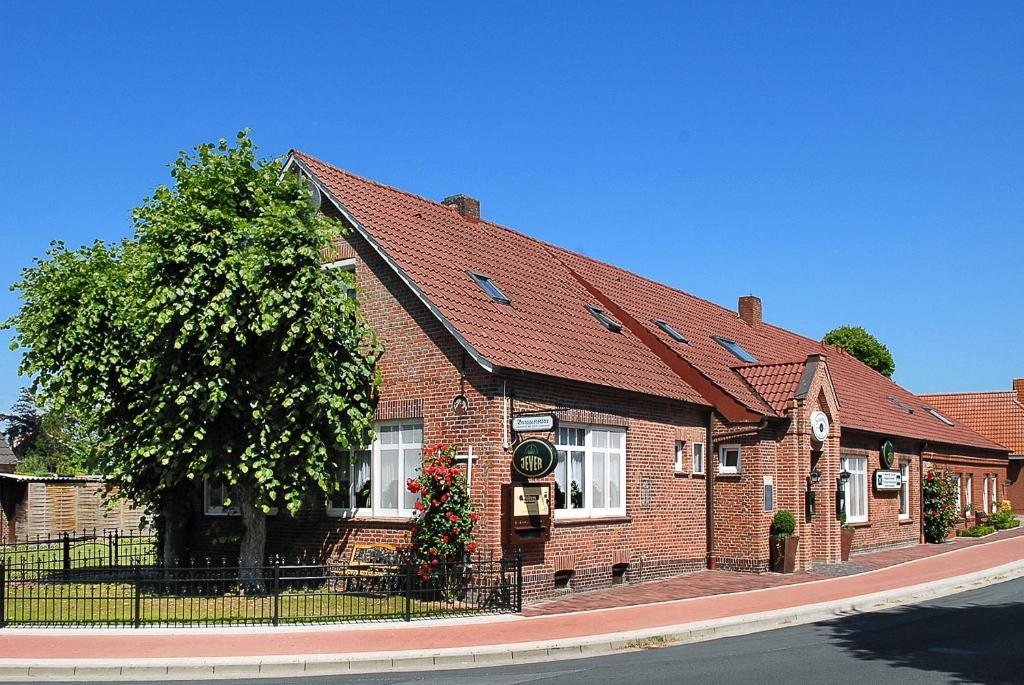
point(967, 392)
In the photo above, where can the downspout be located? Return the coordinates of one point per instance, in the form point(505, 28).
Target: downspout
point(709, 490)
point(920, 492)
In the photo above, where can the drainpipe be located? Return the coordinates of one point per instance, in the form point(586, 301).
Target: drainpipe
point(920, 492)
point(709, 492)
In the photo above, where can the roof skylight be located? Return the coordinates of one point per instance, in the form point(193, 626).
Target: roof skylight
point(937, 414)
point(902, 405)
point(489, 287)
point(671, 332)
point(606, 321)
point(735, 348)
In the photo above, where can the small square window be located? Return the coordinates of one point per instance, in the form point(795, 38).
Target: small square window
point(606, 321)
point(729, 459)
point(489, 287)
point(736, 349)
point(670, 331)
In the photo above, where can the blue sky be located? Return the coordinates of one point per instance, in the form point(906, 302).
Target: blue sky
point(851, 163)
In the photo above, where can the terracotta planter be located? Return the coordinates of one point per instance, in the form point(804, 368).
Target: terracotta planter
point(783, 553)
point(846, 542)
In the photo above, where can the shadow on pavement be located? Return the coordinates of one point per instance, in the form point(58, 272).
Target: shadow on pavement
point(976, 643)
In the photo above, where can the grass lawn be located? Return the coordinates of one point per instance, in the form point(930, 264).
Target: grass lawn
point(90, 554)
point(114, 604)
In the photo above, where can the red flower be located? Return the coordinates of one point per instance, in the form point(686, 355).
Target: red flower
point(471, 547)
point(455, 531)
point(445, 538)
point(454, 518)
point(413, 486)
point(419, 505)
point(473, 517)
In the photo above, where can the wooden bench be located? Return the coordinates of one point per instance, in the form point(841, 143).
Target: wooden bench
point(371, 566)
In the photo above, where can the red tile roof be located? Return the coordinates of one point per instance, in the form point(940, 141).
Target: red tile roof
point(775, 383)
point(547, 330)
point(999, 416)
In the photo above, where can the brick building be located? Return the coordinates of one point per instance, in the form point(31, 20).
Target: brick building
point(999, 416)
point(682, 426)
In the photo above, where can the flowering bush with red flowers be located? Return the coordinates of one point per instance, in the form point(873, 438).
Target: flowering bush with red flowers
point(940, 505)
point(442, 533)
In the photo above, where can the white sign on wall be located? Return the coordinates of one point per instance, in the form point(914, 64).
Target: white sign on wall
point(888, 480)
point(533, 423)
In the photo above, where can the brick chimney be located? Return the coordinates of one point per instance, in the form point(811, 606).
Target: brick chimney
point(750, 309)
point(1018, 385)
point(467, 206)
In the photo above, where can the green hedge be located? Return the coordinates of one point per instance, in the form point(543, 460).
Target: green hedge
point(975, 532)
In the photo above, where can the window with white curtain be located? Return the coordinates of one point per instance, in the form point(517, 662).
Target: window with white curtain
point(984, 495)
point(856, 488)
point(698, 457)
point(372, 481)
point(590, 475)
point(994, 500)
point(967, 494)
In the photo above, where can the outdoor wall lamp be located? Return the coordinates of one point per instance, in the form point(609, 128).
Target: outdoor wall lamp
point(844, 476)
point(815, 475)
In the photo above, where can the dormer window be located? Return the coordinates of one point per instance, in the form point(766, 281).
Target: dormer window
point(606, 321)
point(735, 348)
point(489, 287)
point(670, 332)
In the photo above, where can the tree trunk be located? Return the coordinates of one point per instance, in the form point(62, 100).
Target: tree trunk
point(174, 514)
point(254, 539)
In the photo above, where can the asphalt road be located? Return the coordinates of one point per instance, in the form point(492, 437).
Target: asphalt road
point(973, 637)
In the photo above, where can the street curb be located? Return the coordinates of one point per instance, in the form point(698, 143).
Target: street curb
point(493, 655)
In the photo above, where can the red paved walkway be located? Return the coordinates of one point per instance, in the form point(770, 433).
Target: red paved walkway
point(353, 640)
point(705, 583)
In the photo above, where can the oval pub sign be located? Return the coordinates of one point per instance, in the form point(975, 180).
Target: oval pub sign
point(534, 458)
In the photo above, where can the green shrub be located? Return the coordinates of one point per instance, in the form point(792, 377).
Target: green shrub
point(1003, 519)
point(975, 532)
point(783, 524)
point(940, 505)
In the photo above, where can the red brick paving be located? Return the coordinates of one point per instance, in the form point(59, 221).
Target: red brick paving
point(707, 583)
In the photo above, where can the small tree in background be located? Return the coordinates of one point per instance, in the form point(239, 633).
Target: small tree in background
point(864, 346)
point(45, 441)
point(940, 505)
point(442, 533)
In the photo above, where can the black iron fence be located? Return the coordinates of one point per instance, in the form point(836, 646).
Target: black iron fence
point(151, 595)
point(66, 552)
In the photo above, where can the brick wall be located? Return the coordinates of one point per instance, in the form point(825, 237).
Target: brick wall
point(974, 464)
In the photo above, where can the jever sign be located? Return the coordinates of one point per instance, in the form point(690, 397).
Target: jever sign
point(534, 458)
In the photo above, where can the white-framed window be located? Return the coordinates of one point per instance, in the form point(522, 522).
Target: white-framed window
point(372, 481)
point(347, 265)
point(959, 492)
point(993, 502)
point(698, 457)
point(215, 496)
point(856, 488)
point(769, 493)
point(984, 495)
point(590, 475)
point(905, 490)
point(729, 459)
point(680, 455)
point(967, 494)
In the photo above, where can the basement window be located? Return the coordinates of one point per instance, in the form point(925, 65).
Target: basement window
point(901, 405)
point(489, 287)
point(735, 348)
point(606, 321)
point(935, 412)
point(671, 332)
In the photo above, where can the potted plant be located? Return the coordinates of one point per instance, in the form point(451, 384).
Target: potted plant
point(846, 532)
point(784, 543)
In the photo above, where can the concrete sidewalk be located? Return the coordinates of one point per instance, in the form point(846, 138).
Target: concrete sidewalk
point(268, 652)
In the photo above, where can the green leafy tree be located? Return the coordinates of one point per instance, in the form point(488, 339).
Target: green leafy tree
point(211, 346)
point(864, 346)
point(45, 441)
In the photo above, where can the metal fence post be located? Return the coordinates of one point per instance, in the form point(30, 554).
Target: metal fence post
point(277, 591)
point(137, 618)
point(67, 557)
point(3, 594)
point(408, 590)
point(519, 580)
